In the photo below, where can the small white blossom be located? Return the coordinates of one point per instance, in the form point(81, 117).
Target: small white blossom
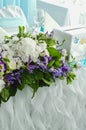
point(64, 52)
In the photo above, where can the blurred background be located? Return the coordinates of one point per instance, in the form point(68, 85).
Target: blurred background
point(65, 12)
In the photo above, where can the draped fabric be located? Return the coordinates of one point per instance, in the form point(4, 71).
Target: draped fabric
point(59, 107)
point(28, 7)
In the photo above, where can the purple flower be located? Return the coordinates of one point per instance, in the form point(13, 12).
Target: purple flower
point(10, 78)
point(46, 59)
point(2, 66)
point(57, 73)
point(32, 67)
point(65, 68)
point(43, 66)
point(13, 77)
point(49, 35)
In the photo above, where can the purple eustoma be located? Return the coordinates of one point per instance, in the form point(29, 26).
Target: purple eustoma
point(65, 69)
point(57, 73)
point(13, 77)
point(32, 67)
point(46, 59)
point(43, 66)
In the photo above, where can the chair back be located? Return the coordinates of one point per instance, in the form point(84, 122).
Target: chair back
point(3, 33)
point(11, 17)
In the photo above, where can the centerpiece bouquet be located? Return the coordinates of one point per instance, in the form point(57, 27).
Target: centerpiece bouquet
point(33, 60)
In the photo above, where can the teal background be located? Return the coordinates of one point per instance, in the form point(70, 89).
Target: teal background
point(28, 7)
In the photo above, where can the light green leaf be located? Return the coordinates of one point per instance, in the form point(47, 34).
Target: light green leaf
point(53, 52)
point(5, 94)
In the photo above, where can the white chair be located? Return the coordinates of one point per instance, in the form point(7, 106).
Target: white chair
point(11, 17)
point(2, 34)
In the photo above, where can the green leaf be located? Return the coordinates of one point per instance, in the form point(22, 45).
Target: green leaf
point(51, 63)
point(61, 78)
point(5, 94)
point(37, 74)
point(57, 64)
point(26, 78)
point(41, 37)
point(48, 78)
point(53, 52)
point(70, 76)
point(6, 37)
point(29, 78)
point(6, 60)
point(46, 81)
point(23, 83)
point(50, 42)
point(35, 87)
point(12, 90)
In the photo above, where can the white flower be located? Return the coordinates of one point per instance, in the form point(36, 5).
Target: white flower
point(28, 48)
point(12, 64)
point(7, 52)
point(2, 84)
point(64, 52)
point(18, 62)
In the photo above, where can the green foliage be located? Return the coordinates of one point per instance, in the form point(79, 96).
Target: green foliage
point(12, 90)
point(5, 94)
point(70, 77)
point(22, 32)
point(54, 52)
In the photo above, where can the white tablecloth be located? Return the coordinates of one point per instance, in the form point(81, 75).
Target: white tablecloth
point(59, 107)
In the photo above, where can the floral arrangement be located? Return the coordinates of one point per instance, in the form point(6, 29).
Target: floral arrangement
point(33, 60)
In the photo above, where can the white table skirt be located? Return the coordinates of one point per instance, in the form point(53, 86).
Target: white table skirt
point(59, 107)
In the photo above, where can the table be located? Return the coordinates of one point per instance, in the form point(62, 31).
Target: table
point(59, 107)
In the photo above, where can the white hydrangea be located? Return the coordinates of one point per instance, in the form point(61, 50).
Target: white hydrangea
point(18, 62)
point(23, 49)
point(7, 52)
point(27, 47)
